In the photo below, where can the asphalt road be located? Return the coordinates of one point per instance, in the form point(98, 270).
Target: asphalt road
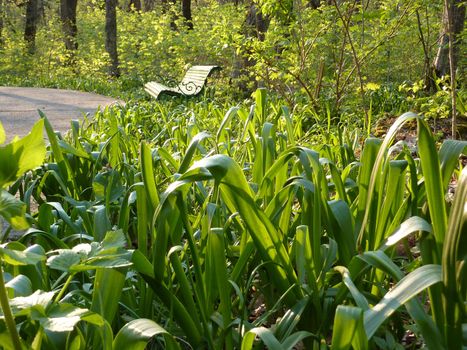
point(18, 113)
point(19, 105)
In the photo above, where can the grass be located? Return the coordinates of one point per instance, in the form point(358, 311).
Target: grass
point(214, 227)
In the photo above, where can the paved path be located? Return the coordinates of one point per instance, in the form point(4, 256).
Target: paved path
point(19, 105)
point(18, 112)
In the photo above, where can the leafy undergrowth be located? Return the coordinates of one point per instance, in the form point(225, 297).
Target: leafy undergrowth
point(152, 232)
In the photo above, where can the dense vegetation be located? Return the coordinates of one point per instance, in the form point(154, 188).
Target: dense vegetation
point(149, 226)
point(348, 59)
point(241, 219)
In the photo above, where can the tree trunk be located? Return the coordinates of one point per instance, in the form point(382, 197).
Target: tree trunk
point(148, 5)
point(68, 18)
point(111, 36)
point(31, 25)
point(2, 11)
point(168, 6)
point(134, 5)
point(314, 4)
point(441, 61)
point(255, 25)
point(186, 12)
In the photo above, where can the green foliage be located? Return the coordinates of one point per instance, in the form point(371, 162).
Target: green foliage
point(319, 59)
point(231, 228)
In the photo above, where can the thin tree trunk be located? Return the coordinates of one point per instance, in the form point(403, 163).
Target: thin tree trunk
point(2, 11)
point(148, 5)
point(255, 25)
point(428, 78)
point(168, 6)
point(314, 4)
point(452, 63)
point(449, 49)
point(68, 18)
point(441, 63)
point(134, 5)
point(31, 25)
point(41, 11)
point(186, 12)
point(111, 36)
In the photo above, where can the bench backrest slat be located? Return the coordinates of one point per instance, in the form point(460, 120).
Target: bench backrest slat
point(194, 79)
point(191, 84)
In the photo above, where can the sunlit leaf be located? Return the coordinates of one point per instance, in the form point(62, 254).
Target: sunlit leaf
point(348, 329)
point(17, 257)
point(403, 291)
point(21, 285)
point(2, 134)
point(136, 334)
point(22, 155)
point(13, 210)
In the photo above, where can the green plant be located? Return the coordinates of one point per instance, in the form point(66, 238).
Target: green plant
point(252, 234)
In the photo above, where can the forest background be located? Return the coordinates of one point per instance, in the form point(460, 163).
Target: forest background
point(337, 59)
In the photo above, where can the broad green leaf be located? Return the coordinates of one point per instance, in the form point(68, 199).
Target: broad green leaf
point(425, 323)
point(17, 257)
point(195, 141)
point(237, 196)
point(348, 329)
point(433, 184)
point(38, 298)
point(62, 318)
point(136, 334)
point(64, 260)
point(449, 158)
point(107, 254)
point(358, 297)
point(261, 99)
point(20, 285)
point(22, 155)
point(148, 175)
point(64, 171)
point(376, 170)
point(403, 291)
point(453, 263)
point(187, 292)
point(393, 189)
point(32, 233)
point(344, 232)
point(75, 151)
point(13, 210)
point(64, 216)
point(107, 186)
point(217, 249)
point(2, 134)
point(181, 315)
point(108, 285)
point(5, 340)
point(101, 222)
point(142, 207)
point(265, 335)
point(142, 264)
point(227, 118)
point(411, 225)
point(289, 321)
point(370, 152)
point(75, 341)
point(292, 340)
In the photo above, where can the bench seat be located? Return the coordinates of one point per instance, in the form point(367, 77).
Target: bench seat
point(191, 85)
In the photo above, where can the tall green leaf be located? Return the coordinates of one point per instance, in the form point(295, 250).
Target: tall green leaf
point(454, 255)
point(403, 291)
point(136, 334)
point(22, 155)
